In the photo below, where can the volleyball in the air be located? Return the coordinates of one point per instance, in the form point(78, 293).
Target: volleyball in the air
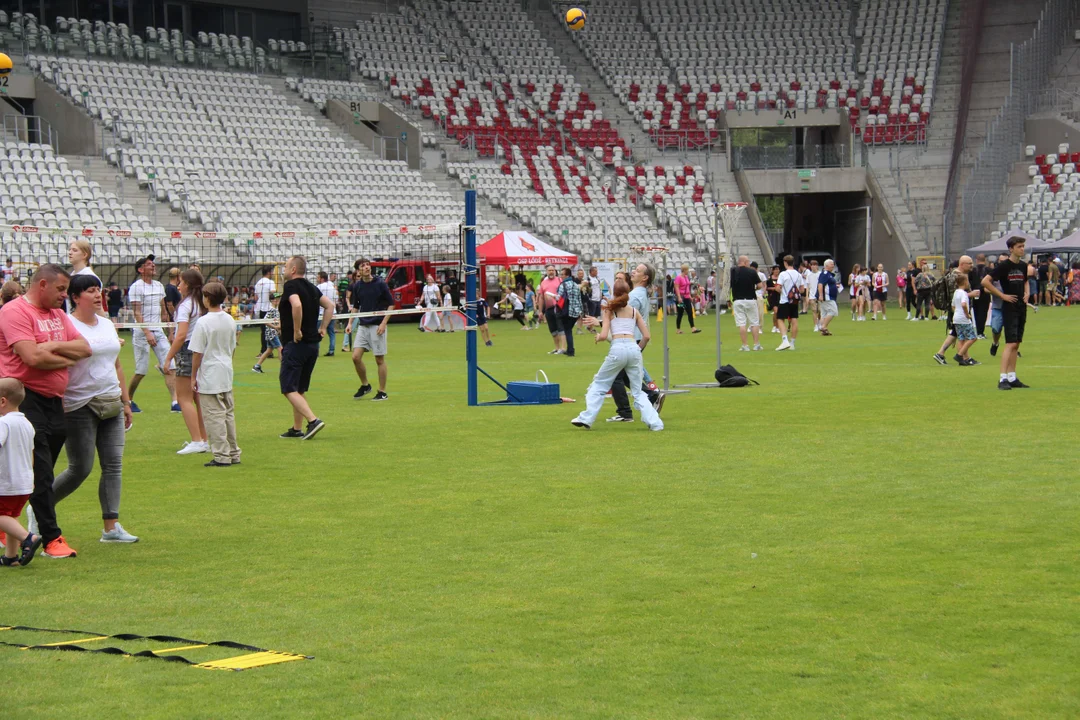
point(575, 18)
point(5, 64)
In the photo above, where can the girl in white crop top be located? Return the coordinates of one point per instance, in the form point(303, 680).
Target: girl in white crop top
point(619, 323)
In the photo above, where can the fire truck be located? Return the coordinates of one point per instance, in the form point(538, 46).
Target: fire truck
point(406, 279)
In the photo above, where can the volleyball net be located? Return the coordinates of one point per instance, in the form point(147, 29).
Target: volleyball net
point(406, 257)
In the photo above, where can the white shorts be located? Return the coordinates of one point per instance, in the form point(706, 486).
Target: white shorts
point(367, 338)
point(746, 313)
point(827, 308)
point(143, 349)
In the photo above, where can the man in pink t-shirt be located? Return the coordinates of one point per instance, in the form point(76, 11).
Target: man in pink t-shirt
point(546, 303)
point(38, 343)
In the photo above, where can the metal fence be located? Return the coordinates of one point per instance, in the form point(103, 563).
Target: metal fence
point(1030, 65)
point(758, 157)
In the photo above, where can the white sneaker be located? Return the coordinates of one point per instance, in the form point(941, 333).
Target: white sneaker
point(744, 348)
point(192, 448)
point(118, 535)
point(31, 521)
point(908, 316)
point(758, 347)
point(784, 346)
point(915, 319)
point(776, 330)
point(816, 328)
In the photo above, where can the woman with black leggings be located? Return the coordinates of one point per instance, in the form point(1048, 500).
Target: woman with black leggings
point(684, 300)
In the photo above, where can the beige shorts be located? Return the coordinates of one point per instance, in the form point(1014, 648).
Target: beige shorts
point(746, 313)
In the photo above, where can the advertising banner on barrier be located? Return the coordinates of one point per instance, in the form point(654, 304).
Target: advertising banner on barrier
point(202, 235)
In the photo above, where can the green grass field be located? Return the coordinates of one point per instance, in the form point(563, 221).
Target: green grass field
point(865, 535)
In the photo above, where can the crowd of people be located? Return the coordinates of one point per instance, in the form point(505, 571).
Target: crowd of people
point(62, 383)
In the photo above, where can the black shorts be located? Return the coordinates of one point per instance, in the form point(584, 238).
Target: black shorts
point(297, 363)
point(787, 311)
point(552, 321)
point(594, 308)
point(881, 295)
point(1014, 316)
point(481, 317)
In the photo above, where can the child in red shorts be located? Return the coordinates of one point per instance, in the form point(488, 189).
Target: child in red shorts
point(16, 474)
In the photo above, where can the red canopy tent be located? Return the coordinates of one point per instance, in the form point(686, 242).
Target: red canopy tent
point(517, 247)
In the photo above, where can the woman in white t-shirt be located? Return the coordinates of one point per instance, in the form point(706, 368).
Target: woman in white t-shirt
point(97, 409)
point(187, 316)
point(430, 299)
point(79, 254)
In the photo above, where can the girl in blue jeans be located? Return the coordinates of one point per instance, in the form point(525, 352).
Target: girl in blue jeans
point(619, 322)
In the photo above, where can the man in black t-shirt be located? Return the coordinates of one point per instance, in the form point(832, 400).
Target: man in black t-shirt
point(301, 333)
point(172, 298)
point(1012, 275)
point(116, 301)
point(744, 286)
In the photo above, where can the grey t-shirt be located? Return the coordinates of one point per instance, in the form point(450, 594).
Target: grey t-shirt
point(639, 300)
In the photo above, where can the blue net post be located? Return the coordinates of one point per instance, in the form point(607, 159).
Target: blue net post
point(471, 273)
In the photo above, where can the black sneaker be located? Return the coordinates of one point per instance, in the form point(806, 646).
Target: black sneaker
point(620, 418)
point(292, 433)
point(658, 404)
point(973, 361)
point(577, 423)
point(1017, 384)
point(364, 390)
point(258, 369)
point(993, 349)
point(215, 463)
point(329, 354)
point(939, 358)
point(959, 360)
point(1004, 385)
point(29, 547)
point(380, 396)
point(313, 428)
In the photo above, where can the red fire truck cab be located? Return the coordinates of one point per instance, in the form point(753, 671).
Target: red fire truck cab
point(406, 279)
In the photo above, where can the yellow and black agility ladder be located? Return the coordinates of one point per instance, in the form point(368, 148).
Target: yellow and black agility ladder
point(253, 658)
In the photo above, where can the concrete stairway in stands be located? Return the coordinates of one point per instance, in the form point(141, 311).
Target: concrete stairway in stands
point(127, 190)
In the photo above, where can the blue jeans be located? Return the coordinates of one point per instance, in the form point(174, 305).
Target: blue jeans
point(332, 334)
point(623, 355)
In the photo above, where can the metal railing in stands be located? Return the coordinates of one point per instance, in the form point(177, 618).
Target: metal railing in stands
point(759, 157)
point(1029, 72)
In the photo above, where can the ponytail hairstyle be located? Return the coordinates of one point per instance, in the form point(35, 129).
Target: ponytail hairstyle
point(193, 279)
point(621, 298)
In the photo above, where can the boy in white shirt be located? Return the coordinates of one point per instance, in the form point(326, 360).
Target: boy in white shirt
point(16, 475)
point(962, 320)
point(212, 345)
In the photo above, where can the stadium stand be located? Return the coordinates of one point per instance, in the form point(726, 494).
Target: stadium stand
point(1051, 202)
point(506, 94)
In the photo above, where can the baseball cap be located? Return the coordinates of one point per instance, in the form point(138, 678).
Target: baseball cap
point(142, 261)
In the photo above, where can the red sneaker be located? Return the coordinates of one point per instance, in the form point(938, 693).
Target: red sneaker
point(59, 548)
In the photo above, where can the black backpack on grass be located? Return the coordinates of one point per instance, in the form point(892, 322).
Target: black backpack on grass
point(728, 376)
